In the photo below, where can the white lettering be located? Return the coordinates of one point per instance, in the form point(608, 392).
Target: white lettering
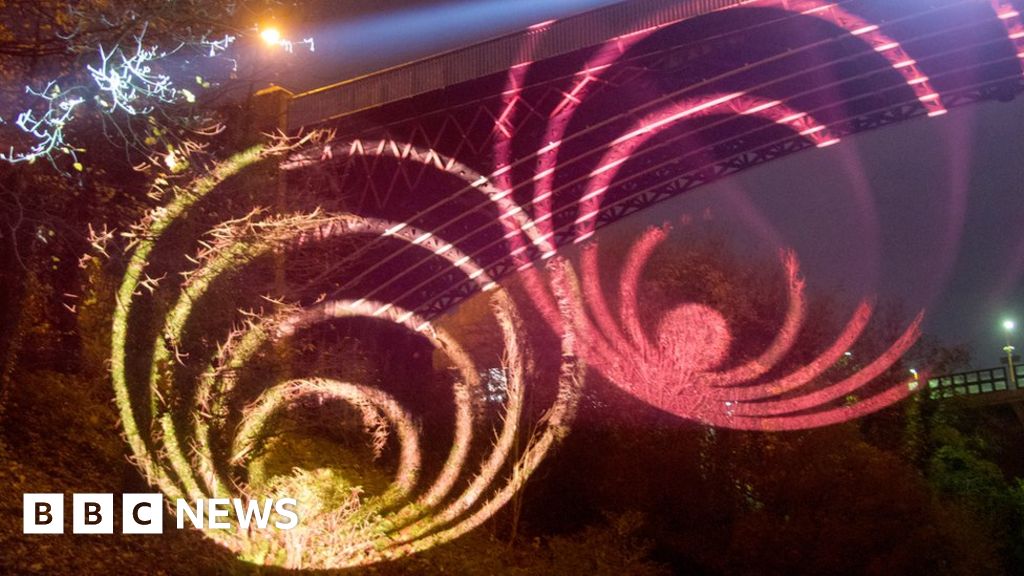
point(218, 508)
point(252, 509)
point(197, 518)
point(282, 508)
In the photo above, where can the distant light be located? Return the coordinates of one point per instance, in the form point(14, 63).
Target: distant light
point(848, 354)
point(913, 372)
point(271, 36)
point(1009, 325)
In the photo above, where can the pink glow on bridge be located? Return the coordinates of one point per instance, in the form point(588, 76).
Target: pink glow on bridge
point(529, 231)
point(624, 147)
point(1014, 25)
point(875, 37)
point(559, 123)
point(547, 156)
point(680, 363)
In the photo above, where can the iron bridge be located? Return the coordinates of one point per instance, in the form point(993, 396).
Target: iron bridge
point(571, 125)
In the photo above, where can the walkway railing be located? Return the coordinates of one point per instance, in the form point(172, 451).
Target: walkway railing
point(544, 40)
point(990, 381)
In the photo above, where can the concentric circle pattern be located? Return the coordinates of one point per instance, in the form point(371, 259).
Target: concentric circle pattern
point(197, 419)
point(193, 439)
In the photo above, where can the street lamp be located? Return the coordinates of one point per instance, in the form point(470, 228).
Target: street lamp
point(271, 35)
point(1008, 327)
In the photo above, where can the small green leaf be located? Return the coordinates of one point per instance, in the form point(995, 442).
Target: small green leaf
point(189, 96)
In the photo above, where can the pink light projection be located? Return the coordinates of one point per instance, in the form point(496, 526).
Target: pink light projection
point(538, 230)
point(679, 367)
point(624, 147)
point(875, 37)
point(681, 363)
point(526, 230)
point(1014, 25)
point(547, 157)
point(671, 375)
point(692, 339)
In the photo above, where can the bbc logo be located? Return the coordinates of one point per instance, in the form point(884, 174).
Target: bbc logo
point(93, 514)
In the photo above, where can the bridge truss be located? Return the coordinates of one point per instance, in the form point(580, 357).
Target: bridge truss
point(649, 115)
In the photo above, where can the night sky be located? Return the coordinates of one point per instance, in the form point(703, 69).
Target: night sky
point(926, 213)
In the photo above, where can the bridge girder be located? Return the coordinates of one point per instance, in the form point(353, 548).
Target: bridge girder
point(664, 110)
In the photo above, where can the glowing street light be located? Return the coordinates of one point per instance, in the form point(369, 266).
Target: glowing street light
point(1008, 327)
point(271, 36)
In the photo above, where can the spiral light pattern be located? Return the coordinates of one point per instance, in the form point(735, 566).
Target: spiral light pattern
point(182, 459)
point(723, 398)
point(679, 368)
point(680, 365)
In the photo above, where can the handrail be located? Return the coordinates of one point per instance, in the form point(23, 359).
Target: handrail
point(545, 40)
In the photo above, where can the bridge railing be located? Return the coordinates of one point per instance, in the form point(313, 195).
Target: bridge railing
point(975, 383)
point(544, 40)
